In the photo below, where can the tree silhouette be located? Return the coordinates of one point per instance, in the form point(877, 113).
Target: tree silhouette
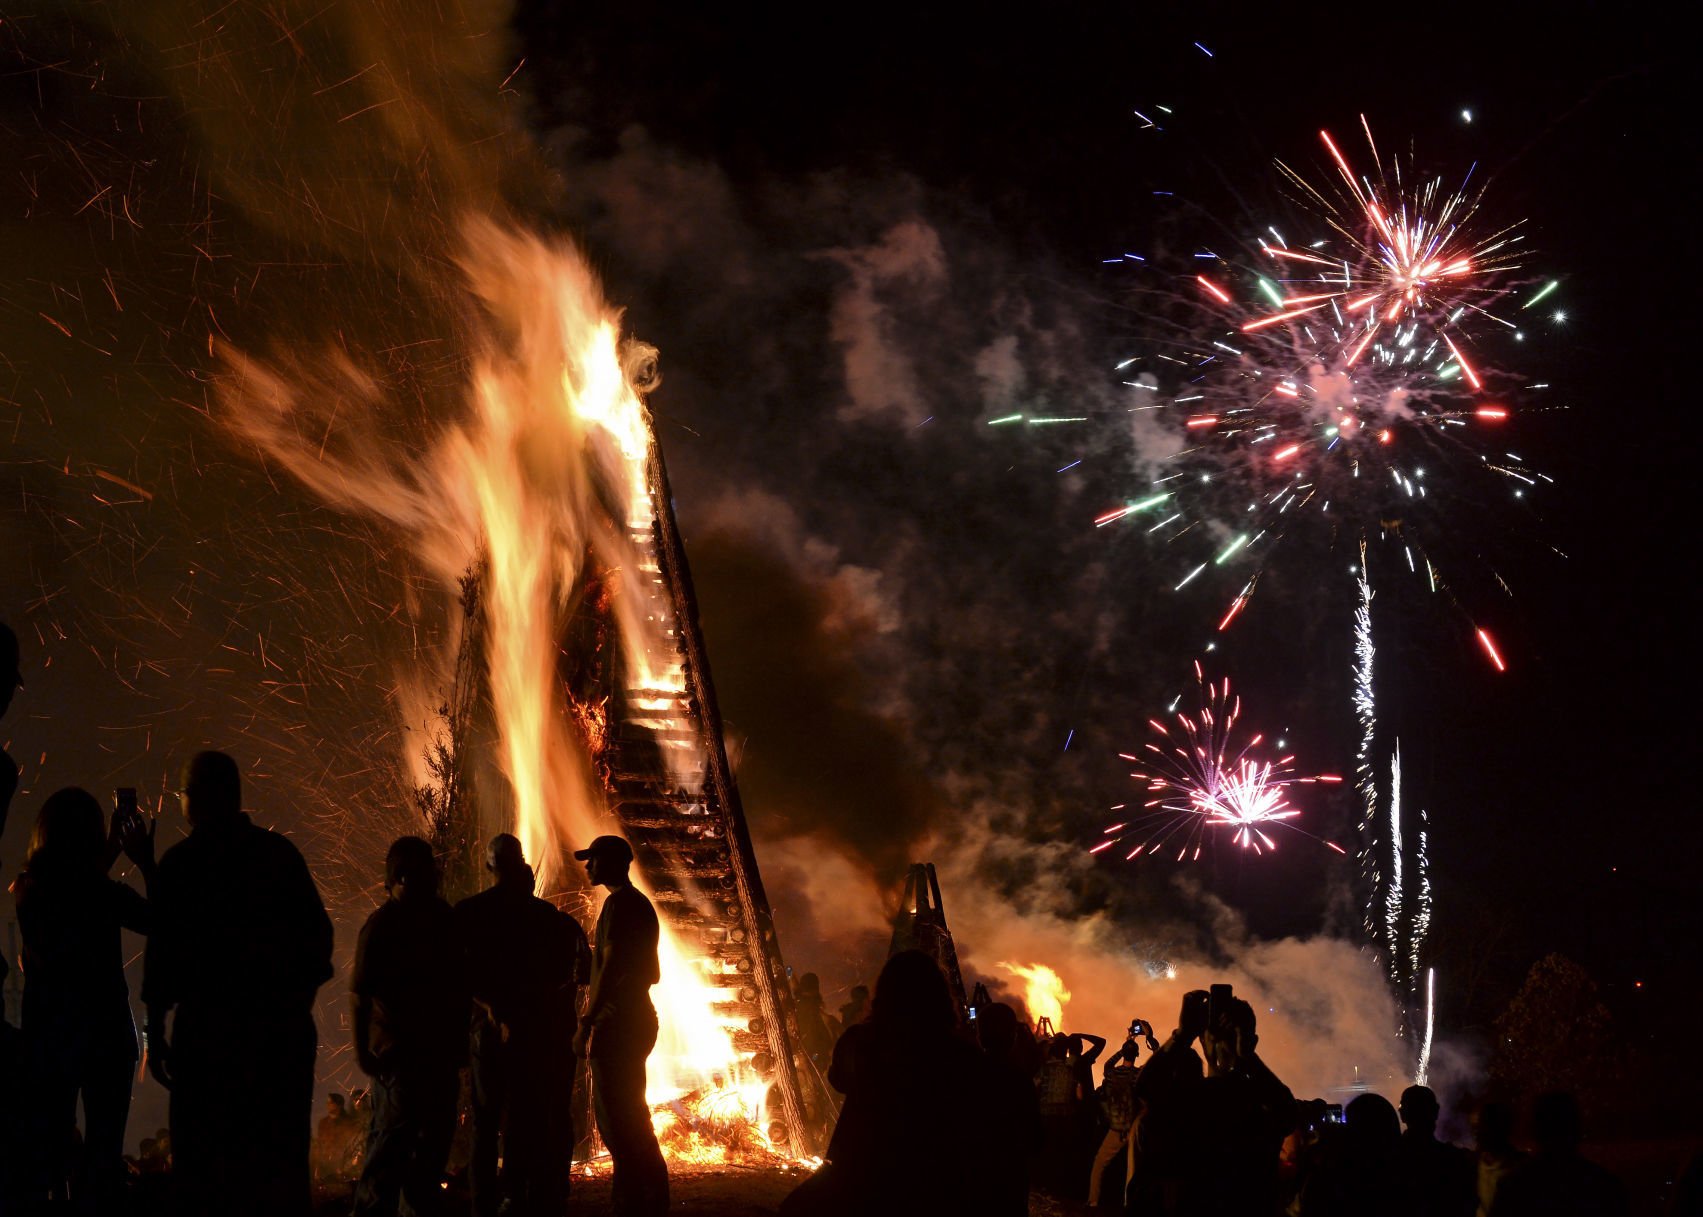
point(1556, 1034)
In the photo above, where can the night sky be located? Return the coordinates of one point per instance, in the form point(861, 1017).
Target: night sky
point(908, 614)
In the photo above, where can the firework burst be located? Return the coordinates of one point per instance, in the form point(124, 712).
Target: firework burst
point(1199, 780)
point(1328, 381)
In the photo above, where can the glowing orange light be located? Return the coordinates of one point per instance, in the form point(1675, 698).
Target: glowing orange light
point(1491, 414)
point(1044, 992)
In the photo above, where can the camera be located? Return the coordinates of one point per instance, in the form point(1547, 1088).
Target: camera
point(1333, 1114)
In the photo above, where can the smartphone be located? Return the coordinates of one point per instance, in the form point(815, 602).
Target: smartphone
point(1217, 1002)
point(972, 1014)
point(124, 805)
point(1333, 1114)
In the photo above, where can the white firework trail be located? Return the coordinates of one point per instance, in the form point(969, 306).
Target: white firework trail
point(1422, 1073)
point(1420, 927)
point(1393, 894)
point(1366, 711)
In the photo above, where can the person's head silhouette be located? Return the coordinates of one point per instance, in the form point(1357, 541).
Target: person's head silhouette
point(607, 860)
point(211, 789)
point(70, 832)
point(996, 1023)
point(1419, 1111)
point(410, 869)
point(1371, 1129)
point(505, 859)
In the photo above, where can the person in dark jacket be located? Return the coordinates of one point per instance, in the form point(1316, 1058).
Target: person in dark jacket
point(918, 1130)
point(410, 999)
point(1014, 1115)
point(1559, 1181)
point(76, 1012)
point(1210, 1144)
point(240, 946)
point(1442, 1179)
point(525, 962)
point(1362, 1173)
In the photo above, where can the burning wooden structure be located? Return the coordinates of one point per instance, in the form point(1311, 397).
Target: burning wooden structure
point(658, 753)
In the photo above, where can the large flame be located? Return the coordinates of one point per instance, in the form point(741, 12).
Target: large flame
point(1044, 992)
point(549, 464)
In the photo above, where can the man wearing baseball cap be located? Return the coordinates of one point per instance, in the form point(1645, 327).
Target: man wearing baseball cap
point(620, 1028)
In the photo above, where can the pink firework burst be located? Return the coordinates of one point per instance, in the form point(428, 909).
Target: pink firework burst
point(1199, 778)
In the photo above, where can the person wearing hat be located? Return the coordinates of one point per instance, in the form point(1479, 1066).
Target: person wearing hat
point(620, 1029)
point(526, 960)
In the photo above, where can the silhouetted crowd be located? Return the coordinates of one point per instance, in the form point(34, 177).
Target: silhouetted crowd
point(238, 946)
point(467, 1021)
point(942, 1115)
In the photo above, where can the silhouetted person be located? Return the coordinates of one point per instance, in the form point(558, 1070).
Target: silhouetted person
point(1118, 1107)
point(1558, 1181)
point(1210, 1144)
point(620, 1029)
point(410, 998)
point(334, 1139)
point(525, 959)
point(916, 1134)
point(1442, 1179)
point(240, 945)
point(1498, 1159)
point(76, 1010)
point(1013, 1117)
point(1362, 1176)
point(855, 1010)
point(1065, 1084)
point(815, 1032)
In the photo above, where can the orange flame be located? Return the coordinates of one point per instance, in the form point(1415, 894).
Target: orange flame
point(549, 464)
point(1044, 992)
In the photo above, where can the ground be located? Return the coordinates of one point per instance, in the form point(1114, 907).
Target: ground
point(707, 1191)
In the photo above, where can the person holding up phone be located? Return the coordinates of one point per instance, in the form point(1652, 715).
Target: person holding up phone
point(76, 1009)
point(1211, 1136)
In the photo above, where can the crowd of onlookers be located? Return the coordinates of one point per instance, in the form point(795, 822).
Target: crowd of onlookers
point(467, 1020)
point(466, 1016)
point(942, 1114)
